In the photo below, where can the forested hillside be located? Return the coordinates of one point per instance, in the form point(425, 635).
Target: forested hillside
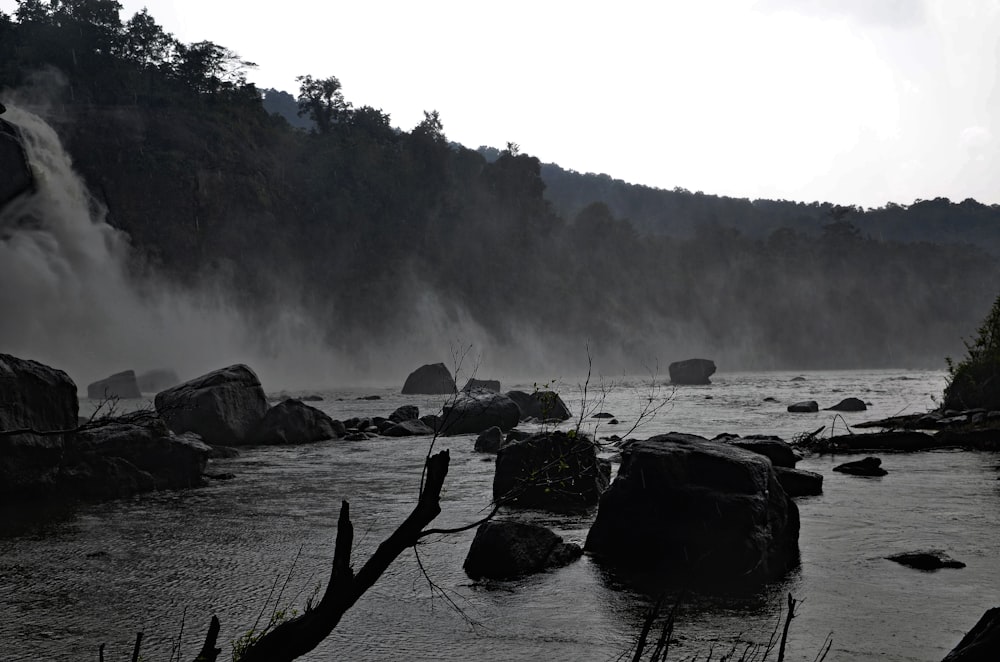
point(375, 230)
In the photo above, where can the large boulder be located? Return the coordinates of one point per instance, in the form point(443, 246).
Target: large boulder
point(981, 643)
point(481, 385)
point(405, 413)
point(224, 407)
point(543, 405)
point(691, 371)
point(556, 471)
point(849, 404)
point(506, 549)
point(697, 510)
point(294, 422)
point(121, 458)
point(37, 397)
point(154, 381)
point(431, 379)
point(476, 412)
point(119, 385)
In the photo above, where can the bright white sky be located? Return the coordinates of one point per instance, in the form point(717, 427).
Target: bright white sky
point(849, 101)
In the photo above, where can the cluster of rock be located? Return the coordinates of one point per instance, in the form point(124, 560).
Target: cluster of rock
point(45, 452)
point(811, 406)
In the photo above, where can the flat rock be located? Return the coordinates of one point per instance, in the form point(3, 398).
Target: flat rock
point(931, 559)
point(870, 466)
point(798, 482)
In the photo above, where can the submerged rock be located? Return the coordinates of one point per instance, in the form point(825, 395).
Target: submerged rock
point(691, 371)
point(507, 549)
point(223, 407)
point(870, 466)
point(430, 379)
point(931, 559)
point(119, 385)
point(696, 510)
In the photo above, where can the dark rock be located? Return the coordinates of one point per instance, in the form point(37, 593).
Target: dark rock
point(981, 643)
point(384, 425)
point(119, 385)
point(119, 458)
point(356, 436)
point(431, 379)
point(555, 471)
point(985, 439)
point(798, 482)
point(311, 398)
point(931, 559)
point(409, 428)
point(294, 422)
point(490, 441)
point(613, 421)
point(870, 466)
point(492, 385)
point(154, 381)
point(691, 371)
point(774, 448)
point(33, 396)
point(405, 413)
point(603, 414)
point(698, 511)
point(800, 378)
point(806, 407)
point(433, 421)
point(770, 399)
point(517, 435)
point(225, 475)
point(223, 407)
point(506, 549)
point(849, 404)
point(18, 178)
point(368, 397)
point(222, 452)
point(543, 405)
point(476, 412)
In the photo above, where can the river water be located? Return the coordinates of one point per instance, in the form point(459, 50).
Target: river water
point(74, 577)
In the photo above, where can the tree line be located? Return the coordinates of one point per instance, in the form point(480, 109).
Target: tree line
point(356, 220)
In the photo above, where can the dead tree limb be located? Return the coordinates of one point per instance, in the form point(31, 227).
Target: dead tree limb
point(209, 652)
point(297, 636)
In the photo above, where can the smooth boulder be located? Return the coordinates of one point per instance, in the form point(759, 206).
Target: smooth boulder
point(294, 422)
point(119, 385)
point(870, 466)
point(541, 405)
point(849, 404)
point(774, 448)
point(474, 384)
point(691, 371)
point(476, 412)
point(37, 397)
point(805, 407)
point(507, 549)
point(696, 510)
point(223, 407)
point(557, 471)
point(931, 559)
point(489, 441)
point(430, 379)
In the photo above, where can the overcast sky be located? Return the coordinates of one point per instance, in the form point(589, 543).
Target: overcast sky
point(849, 101)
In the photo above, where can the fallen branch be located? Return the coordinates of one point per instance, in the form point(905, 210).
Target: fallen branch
point(297, 636)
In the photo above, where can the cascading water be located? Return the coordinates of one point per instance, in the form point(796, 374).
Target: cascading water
point(69, 299)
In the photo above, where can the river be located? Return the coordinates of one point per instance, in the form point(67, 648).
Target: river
point(73, 577)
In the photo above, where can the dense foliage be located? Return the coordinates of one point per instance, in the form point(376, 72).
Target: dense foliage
point(975, 380)
point(379, 232)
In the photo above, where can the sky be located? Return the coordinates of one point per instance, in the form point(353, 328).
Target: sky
point(848, 101)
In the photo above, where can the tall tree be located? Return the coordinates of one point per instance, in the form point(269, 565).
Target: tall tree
point(322, 100)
